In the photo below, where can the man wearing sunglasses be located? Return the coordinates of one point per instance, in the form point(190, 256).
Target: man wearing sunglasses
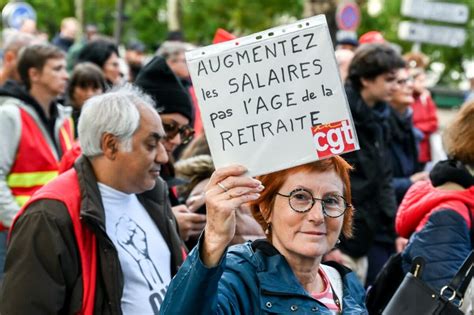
point(176, 112)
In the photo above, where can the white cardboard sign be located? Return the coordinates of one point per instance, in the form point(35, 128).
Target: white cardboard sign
point(274, 99)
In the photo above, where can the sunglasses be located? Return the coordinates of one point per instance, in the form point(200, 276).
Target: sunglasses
point(172, 128)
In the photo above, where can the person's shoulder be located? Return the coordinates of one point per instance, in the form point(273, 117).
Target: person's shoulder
point(240, 252)
point(244, 256)
point(10, 103)
point(48, 209)
point(9, 108)
point(64, 111)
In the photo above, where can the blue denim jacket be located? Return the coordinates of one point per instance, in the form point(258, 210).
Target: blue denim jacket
point(252, 278)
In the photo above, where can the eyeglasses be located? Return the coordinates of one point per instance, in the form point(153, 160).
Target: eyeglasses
point(302, 201)
point(172, 128)
point(404, 81)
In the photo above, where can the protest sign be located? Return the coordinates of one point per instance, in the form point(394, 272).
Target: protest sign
point(274, 99)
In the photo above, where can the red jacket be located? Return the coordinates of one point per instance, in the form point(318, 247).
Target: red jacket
point(426, 120)
point(422, 199)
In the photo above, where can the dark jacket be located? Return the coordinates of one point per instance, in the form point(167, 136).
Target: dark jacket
point(251, 278)
point(62, 42)
point(43, 259)
point(372, 193)
point(402, 151)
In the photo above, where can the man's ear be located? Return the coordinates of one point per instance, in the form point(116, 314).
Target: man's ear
point(9, 57)
point(110, 145)
point(34, 74)
point(364, 82)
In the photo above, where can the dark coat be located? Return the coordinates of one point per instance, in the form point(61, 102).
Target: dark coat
point(43, 260)
point(402, 151)
point(372, 193)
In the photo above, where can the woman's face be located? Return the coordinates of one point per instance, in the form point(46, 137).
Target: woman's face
point(178, 121)
point(419, 82)
point(111, 69)
point(403, 96)
point(82, 94)
point(310, 234)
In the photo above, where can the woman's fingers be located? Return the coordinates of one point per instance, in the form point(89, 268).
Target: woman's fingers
point(226, 191)
point(231, 183)
point(224, 172)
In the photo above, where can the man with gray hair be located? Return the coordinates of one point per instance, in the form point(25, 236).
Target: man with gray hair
point(13, 42)
point(101, 237)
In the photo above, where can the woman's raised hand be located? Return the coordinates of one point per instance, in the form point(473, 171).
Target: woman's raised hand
point(226, 191)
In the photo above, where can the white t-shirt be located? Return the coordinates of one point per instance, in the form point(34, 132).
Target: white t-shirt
point(143, 253)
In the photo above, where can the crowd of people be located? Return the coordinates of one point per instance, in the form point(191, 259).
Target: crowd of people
point(110, 202)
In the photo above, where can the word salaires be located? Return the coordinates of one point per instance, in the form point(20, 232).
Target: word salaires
point(259, 131)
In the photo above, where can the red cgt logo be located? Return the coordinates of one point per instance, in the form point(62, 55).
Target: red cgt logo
point(333, 138)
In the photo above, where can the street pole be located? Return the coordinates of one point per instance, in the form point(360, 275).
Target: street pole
point(119, 8)
point(174, 23)
point(79, 12)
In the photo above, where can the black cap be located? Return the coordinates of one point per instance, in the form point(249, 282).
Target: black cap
point(158, 80)
point(348, 41)
point(136, 45)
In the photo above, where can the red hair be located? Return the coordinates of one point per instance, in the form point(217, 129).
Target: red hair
point(263, 206)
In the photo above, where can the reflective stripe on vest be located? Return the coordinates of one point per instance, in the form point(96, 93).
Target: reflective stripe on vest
point(67, 135)
point(30, 179)
point(35, 164)
point(22, 199)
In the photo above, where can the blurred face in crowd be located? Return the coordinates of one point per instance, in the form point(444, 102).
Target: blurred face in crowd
point(344, 58)
point(69, 29)
point(177, 130)
point(52, 78)
point(419, 82)
point(28, 26)
point(111, 69)
point(310, 234)
point(380, 88)
point(134, 57)
point(142, 162)
point(403, 95)
point(177, 64)
point(81, 94)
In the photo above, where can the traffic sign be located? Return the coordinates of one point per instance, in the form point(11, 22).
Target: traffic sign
point(14, 13)
point(439, 35)
point(437, 11)
point(348, 16)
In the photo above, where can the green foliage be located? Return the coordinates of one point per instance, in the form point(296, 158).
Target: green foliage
point(201, 18)
point(387, 23)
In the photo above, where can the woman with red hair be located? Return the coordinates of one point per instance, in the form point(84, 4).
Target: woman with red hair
point(303, 211)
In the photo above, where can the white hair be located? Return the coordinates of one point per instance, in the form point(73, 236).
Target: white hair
point(115, 112)
point(14, 40)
